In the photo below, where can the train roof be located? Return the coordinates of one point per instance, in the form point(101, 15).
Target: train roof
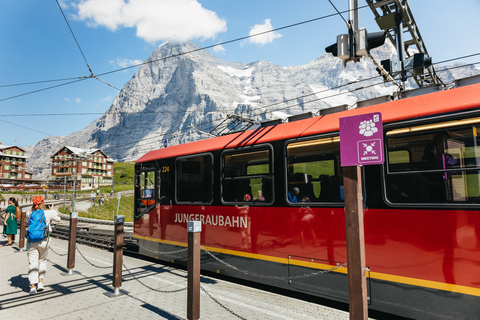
point(461, 98)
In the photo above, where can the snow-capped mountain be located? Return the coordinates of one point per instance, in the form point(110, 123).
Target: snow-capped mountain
point(183, 97)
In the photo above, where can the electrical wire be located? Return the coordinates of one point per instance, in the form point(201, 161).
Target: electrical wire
point(194, 111)
point(338, 12)
point(463, 57)
point(18, 125)
point(37, 82)
point(75, 38)
point(40, 90)
point(228, 42)
point(156, 60)
point(177, 133)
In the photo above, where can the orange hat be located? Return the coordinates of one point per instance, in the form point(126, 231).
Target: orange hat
point(38, 200)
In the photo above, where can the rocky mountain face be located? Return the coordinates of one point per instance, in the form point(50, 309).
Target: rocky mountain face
point(183, 97)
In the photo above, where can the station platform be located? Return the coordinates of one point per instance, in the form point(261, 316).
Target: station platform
point(153, 291)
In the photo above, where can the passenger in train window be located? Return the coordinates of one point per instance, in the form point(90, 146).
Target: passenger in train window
point(260, 196)
point(292, 194)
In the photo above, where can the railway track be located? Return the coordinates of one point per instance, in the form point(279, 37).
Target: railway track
point(97, 238)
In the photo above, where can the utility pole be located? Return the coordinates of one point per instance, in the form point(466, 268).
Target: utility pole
point(400, 43)
point(353, 26)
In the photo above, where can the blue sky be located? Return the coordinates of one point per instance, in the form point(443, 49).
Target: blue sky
point(36, 45)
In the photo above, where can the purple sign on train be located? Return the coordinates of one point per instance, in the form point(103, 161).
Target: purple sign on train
point(361, 140)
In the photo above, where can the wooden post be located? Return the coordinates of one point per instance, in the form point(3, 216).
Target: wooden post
point(72, 242)
point(118, 252)
point(357, 283)
point(193, 279)
point(23, 223)
point(117, 258)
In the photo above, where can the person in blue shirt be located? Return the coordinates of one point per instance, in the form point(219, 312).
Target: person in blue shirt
point(292, 195)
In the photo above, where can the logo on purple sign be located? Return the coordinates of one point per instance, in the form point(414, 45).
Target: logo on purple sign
point(361, 140)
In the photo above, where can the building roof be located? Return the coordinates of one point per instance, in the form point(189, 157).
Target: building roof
point(81, 152)
point(2, 146)
point(3, 154)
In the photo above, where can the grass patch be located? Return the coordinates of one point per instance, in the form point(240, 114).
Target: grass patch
point(108, 210)
point(123, 179)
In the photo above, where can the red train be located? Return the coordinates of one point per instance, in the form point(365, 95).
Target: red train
point(271, 202)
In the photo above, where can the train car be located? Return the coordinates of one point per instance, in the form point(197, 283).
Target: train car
point(271, 204)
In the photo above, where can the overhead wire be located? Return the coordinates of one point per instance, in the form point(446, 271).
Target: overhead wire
point(227, 42)
point(40, 90)
point(37, 82)
point(338, 12)
point(193, 111)
point(172, 56)
point(160, 59)
point(174, 134)
point(75, 38)
point(31, 129)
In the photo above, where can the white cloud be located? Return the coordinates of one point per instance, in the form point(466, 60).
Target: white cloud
point(264, 38)
point(68, 100)
point(219, 49)
point(64, 4)
point(78, 100)
point(106, 99)
point(155, 20)
point(123, 63)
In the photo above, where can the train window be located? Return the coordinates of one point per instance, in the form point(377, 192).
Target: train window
point(147, 184)
point(194, 179)
point(313, 173)
point(247, 176)
point(145, 192)
point(434, 164)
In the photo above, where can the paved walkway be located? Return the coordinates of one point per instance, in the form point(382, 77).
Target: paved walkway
point(82, 296)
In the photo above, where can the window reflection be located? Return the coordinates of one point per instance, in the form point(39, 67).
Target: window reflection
point(313, 171)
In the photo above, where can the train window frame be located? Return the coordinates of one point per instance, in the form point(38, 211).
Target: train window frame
point(328, 137)
point(433, 125)
point(143, 204)
point(270, 175)
point(177, 172)
point(138, 184)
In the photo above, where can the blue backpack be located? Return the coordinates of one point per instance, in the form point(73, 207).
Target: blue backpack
point(37, 226)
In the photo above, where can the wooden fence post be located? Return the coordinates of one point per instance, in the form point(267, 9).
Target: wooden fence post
point(357, 283)
point(193, 279)
point(72, 245)
point(117, 258)
point(23, 223)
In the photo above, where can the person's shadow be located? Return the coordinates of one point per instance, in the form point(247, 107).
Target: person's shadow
point(20, 282)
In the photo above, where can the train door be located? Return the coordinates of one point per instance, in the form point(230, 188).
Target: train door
point(145, 191)
point(164, 183)
point(165, 198)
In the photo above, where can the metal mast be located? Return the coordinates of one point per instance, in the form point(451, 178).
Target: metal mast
point(392, 15)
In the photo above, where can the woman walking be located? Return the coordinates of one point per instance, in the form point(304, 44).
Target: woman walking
point(37, 252)
point(10, 222)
